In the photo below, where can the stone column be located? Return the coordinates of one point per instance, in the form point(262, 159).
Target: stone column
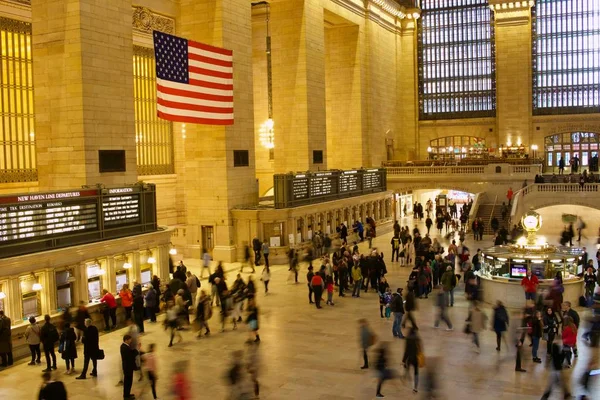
point(298, 56)
point(513, 73)
point(212, 185)
point(48, 295)
point(83, 74)
point(406, 143)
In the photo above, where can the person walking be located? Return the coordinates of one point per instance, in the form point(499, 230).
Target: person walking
point(500, 324)
point(449, 282)
point(203, 314)
point(172, 321)
point(149, 359)
point(52, 389)
point(556, 376)
point(206, 260)
point(367, 339)
point(413, 350)
point(477, 321)
point(509, 196)
point(443, 314)
point(317, 285)
point(91, 348)
point(383, 372)
point(253, 365)
point(110, 309)
point(126, 301)
point(32, 337)
point(569, 339)
point(567, 311)
point(49, 336)
point(265, 251)
point(252, 319)
point(67, 348)
point(397, 308)
point(266, 275)
point(247, 258)
point(256, 247)
point(128, 356)
point(550, 329)
point(192, 282)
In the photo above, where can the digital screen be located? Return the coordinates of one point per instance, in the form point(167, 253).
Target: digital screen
point(39, 215)
point(322, 184)
point(120, 210)
point(518, 271)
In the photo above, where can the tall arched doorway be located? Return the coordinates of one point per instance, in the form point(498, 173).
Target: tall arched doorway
point(568, 145)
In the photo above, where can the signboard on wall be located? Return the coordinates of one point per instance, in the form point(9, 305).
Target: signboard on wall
point(42, 221)
point(293, 190)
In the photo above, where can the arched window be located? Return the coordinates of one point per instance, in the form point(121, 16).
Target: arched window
point(457, 147)
point(567, 146)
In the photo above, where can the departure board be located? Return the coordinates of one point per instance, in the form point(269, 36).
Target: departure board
point(38, 215)
point(292, 190)
point(323, 184)
point(35, 222)
point(371, 179)
point(350, 181)
point(121, 206)
point(300, 187)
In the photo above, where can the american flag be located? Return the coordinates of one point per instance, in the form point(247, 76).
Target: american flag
point(194, 81)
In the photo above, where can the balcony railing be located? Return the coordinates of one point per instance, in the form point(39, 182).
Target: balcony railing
point(494, 169)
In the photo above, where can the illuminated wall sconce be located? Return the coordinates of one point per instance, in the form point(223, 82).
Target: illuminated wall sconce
point(2, 295)
point(36, 286)
point(151, 259)
point(173, 250)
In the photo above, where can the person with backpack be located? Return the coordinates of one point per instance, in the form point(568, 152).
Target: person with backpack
point(49, 336)
point(395, 242)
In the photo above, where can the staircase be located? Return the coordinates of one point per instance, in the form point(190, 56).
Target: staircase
point(485, 213)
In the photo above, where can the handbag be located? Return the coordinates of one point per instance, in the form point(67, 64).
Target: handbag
point(421, 359)
point(467, 329)
point(100, 354)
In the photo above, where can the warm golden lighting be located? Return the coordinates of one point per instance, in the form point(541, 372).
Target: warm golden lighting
point(266, 134)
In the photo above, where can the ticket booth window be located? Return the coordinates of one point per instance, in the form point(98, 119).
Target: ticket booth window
point(146, 276)
point(64, 290)
point(30, 298)
point(94, 274)
point(121, 279)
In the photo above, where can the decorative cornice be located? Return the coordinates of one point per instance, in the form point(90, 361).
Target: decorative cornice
point(13, 25)
point(28, 2)
point(145, 20)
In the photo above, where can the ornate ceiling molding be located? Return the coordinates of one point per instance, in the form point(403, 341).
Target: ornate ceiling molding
point(145, 20)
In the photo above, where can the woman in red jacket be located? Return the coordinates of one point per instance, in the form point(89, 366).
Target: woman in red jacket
point(126, 300)
point(569, 338)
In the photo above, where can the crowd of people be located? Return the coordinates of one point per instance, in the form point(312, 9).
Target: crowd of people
point(339, 269)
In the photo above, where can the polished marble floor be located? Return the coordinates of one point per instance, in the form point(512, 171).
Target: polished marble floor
point(312, 354)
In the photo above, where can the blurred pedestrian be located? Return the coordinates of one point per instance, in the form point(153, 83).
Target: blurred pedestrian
point(266, 275)
point(67, 348)
point(181, 383)
point(49, 336)
point(383, 372)
point(556, 376)
point(52, 389)
point(172, 322)
point(149, 359)
point(252, 320)
point(367, 339)
point(413, 351)
point(203, 314)
point(253, 365)
point(443, 311)
point(500, 324)
point(80, 316)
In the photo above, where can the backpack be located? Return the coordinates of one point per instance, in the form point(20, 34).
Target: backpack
point(198, 282)
point(53, 333)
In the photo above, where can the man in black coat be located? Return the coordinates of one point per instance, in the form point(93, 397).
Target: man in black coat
point(90, 349)
point(128, 356)
point(49, 336)
point(138, 306)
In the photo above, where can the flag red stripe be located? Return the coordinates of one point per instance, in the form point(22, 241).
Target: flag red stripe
point(210, 85)
point(209, 72)
point(208, 60)
point(195, 95)
point(192, 120)
point(194, 107)
point(207, 47)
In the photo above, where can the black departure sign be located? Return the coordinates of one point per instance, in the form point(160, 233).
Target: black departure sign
point(42, 221)
point(292, 190)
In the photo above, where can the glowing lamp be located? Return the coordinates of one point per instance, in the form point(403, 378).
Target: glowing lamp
point(127, 265)
point(151, 260)
point(2, 295)
point(37, 287)
point(173, 251)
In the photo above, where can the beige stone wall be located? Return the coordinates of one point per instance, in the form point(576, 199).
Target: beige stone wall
point(83, 90)
point(264, 166)
point(212, 185)
point(407, 110)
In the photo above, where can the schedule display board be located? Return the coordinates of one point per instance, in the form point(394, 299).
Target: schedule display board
point(292, 190)
point(34, 222)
